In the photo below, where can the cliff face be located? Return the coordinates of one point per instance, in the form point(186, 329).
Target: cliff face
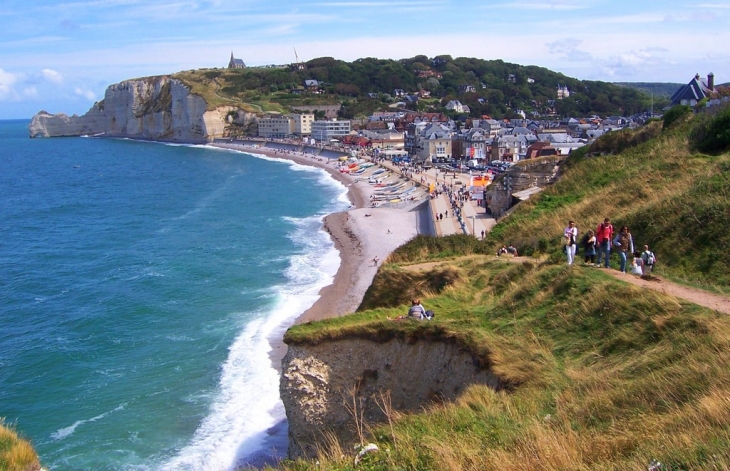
point(320, 384)
point(157, 108)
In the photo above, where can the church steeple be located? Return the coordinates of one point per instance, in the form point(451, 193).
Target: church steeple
point(236, 63)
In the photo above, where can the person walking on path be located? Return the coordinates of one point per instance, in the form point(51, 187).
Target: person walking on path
point(604, 236)
point(625, 245)
point(589, 247)
point(571, 235)
point(649, 259)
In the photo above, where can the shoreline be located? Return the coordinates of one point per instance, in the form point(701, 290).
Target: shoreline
point(359, 233)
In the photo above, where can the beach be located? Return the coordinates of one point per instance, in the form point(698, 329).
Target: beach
point(361, 234)
point(364, 237)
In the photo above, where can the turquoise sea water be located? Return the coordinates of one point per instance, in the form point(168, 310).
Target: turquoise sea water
point(140, 285)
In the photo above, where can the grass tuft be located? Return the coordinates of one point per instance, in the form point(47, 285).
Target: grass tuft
point(16, 454)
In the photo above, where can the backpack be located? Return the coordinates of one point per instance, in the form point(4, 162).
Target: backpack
point(650, 259)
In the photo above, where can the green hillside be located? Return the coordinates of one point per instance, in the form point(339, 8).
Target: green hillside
point(502, 87)
point(602, 375)
point(660, 89)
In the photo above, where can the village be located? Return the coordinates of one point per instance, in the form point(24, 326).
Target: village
point(489, 164)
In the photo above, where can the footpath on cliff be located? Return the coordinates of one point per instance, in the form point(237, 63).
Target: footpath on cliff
point(697, 296)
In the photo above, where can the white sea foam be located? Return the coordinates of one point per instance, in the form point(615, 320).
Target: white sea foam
point(247, 403)
point(62, 433)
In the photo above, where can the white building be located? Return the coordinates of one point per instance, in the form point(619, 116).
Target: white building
point(457, 106)
point(326, 130)
point(302, 123)
point(277, 126)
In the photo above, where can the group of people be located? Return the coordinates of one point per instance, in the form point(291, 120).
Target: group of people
point(505, 250)
point(598, 245)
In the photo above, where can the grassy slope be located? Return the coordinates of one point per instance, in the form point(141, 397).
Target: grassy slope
point(211, 89)
point(16, 454)
point(604, 375)
point(672, 199)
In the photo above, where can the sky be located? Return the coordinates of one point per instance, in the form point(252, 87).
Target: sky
point(60, 56)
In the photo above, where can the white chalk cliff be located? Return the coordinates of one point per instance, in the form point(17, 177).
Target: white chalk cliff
point(157, 108)
point(321, 384)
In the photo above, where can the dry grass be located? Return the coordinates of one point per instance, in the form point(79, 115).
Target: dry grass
point(16, 454)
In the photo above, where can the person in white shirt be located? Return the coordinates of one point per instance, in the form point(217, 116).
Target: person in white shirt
point(571, 235)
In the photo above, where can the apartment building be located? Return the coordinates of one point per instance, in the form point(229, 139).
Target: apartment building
point(326, 130)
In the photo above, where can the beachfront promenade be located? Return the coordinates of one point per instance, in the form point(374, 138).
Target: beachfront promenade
point(474, 218)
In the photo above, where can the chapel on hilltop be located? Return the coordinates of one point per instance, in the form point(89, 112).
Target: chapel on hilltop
point(236, 63)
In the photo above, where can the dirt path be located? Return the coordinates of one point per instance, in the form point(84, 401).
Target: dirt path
point(693, 295)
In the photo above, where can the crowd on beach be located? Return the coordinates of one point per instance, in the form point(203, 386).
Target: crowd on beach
point(599, 244)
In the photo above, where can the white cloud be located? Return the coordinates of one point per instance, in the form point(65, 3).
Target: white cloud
point(86, 93)
point(52, 76)
point(7, 86)
point(559, 5)
point(568, 50)
point(30, 92)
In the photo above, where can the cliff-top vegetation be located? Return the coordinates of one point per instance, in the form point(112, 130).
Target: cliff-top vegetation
point(602, 374)
point(16, 454)
point(493, 87)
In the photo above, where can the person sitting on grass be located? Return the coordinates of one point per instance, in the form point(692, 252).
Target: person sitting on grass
point(416, 311)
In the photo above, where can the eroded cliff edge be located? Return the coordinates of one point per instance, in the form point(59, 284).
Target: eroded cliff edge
point(320, 383)
point(156, 108)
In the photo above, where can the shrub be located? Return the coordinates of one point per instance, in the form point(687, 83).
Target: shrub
point(675, 114)
point(712, 132)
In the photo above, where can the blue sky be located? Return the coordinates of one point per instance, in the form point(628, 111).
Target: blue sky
point(60, 56)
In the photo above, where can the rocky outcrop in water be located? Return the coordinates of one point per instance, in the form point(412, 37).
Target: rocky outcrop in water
point(155, 108)
point(321, 385)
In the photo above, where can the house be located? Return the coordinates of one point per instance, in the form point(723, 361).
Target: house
point(467, 88)
point(540, 149)
point(236, 63)
point(457, 107)
point(312, 85)
point(510, 147)
point(471, 144)
point(695, 91)
point(563, 92)
point(386, 139)
point(428, 74)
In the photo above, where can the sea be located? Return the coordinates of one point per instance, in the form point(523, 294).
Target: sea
point(142, 286)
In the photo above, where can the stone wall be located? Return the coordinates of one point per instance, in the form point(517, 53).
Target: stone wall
point(538, 173)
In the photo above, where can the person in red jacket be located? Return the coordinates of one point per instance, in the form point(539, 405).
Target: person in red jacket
point(604, 236)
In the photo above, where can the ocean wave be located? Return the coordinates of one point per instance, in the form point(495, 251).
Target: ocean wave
point(247, 403)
